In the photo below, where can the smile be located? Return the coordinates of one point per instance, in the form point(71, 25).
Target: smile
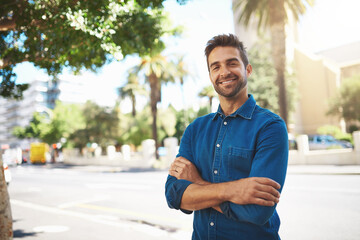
point(226, 82)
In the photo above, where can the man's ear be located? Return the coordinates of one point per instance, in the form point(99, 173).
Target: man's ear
point(248, 70)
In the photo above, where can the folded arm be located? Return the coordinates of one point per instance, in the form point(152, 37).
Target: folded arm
point(201, 194)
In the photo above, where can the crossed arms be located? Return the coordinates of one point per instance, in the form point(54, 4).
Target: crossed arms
point(251, 199)
point(202, 194)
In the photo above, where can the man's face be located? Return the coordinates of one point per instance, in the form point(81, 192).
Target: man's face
point(227, 71)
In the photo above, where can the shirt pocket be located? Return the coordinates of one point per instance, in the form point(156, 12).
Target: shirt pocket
point(239, 162)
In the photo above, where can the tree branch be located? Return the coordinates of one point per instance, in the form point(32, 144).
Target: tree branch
point(7, 24)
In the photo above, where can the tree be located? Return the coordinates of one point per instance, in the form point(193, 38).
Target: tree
point(34, 130)
point(131, 89)
point(208, 92)
point(157, 70)
point(346, 103)
point(273, 13)
point(133, 130)
point(61, 123)
point(262, 83)
point(65, 120)
point(101, 126)
point(182, 72)
point(75, 34)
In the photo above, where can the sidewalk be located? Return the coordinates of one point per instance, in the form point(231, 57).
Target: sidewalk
point(324, 169)
point(292, 169)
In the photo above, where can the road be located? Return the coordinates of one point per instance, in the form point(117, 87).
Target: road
point(56, 202)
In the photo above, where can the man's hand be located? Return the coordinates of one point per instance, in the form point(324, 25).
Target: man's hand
point(182, 168)
point(254, 190)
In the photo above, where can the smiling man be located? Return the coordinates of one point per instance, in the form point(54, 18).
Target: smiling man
point(231, 164)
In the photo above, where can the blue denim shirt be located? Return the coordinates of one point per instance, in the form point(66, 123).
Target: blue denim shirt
point(251, 142)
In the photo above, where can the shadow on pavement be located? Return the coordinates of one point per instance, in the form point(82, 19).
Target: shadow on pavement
point(21, 234)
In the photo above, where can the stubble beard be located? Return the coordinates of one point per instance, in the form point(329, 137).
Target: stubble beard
point(240, 84)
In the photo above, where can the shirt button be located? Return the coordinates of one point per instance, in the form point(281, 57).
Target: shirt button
point(218, 145)
point(216, 171)
point(225, 123)
point(212, 224)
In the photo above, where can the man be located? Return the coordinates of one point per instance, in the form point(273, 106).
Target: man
point(231, 164)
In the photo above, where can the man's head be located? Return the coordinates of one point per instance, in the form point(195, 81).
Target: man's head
point(226, 41)
point(228, 66)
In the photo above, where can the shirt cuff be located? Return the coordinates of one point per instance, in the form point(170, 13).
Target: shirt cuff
point(176, 192)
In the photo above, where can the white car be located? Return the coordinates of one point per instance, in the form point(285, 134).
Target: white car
point(7, 174)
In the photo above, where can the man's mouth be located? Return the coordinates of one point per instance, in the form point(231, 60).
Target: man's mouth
point(227, 81)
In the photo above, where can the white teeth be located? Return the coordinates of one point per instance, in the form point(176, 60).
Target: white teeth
point(227, 81)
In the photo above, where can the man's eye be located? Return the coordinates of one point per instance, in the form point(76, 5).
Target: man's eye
point(215, 68)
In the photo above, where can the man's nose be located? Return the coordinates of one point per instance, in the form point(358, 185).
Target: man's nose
point(224, 72)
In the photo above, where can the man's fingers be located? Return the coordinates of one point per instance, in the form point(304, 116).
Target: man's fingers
point(182, 160)
point(268, 189)
point(267, 197)
point(267, 181)
point(263, 202)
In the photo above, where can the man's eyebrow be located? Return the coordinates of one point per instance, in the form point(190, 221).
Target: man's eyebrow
point(227, 61)
point(214, 63)
point(232, 59)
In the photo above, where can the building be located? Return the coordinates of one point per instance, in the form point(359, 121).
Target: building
point(40, 97)
point(319, 76)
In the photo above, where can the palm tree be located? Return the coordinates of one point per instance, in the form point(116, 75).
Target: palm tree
point(157, 70)
point(273, 13)
point(182, 71)
point(131, 89)
point(209, 92)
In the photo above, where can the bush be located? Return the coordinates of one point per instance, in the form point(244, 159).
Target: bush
point(335, 132)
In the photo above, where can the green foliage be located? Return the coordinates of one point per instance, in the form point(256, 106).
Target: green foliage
point(262, 80)
point(35, 129)
point(209, 92)
point(62, 121)
point(346, 103)
point(8, 86)
point(133, 130)
point(101, 125)
point(76, 34)
point(65, 119)
point(260, 9)
point(335, 132)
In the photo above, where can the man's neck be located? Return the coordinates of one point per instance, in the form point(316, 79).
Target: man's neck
point(230, 105)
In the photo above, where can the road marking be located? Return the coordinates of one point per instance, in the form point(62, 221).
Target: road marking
point(138, 215)
point(51, 229)
point(75, 203)
point(118, 186)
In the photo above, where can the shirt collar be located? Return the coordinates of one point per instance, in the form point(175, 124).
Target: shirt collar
point(246, 110)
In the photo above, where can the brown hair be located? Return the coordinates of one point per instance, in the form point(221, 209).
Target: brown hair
point(224, 40)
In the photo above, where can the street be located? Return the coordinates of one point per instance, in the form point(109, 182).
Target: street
point(56, 202)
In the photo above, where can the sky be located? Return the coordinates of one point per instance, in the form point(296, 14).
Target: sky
point(329, 23)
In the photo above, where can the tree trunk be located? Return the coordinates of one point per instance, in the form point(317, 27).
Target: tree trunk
point(6, 232)
point(154, 98)
point(133, 101)
point(277, 29)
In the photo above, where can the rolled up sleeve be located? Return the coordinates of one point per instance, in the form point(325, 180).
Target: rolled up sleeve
point(270, 161)
point(174, 188)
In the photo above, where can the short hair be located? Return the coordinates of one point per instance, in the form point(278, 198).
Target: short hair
point(224, 40)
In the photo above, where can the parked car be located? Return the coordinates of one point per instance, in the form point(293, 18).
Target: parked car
point(7, 174)
point(321, 142)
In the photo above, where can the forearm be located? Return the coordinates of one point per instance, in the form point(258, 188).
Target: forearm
point(201, 196)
